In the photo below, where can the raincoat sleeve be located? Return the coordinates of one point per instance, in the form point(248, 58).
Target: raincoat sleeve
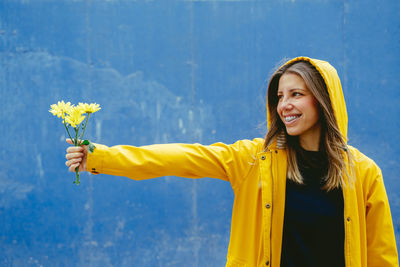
point(227, 162)
point(381, 242)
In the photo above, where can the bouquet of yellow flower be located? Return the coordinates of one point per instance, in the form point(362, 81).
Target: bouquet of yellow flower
point(73, 116)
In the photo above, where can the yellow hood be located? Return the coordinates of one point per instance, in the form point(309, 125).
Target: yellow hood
point(332, 81)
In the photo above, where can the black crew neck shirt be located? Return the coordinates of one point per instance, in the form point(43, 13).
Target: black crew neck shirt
point(313, 231)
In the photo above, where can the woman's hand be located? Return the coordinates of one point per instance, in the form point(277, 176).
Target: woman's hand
point(76, 157)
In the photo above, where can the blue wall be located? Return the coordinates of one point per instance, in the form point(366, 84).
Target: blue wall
point(167, 71)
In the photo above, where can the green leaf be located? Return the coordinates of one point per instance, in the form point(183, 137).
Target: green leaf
point(85, 142)
point(91, 147)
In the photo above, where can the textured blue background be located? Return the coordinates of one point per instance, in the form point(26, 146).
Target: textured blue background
point(167, 71)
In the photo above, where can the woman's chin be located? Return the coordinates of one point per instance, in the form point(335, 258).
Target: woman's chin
point(292, 132)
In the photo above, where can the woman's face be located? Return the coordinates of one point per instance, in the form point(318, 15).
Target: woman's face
point(298, 110)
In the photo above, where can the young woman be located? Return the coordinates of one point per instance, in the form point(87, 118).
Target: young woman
point(303, 197)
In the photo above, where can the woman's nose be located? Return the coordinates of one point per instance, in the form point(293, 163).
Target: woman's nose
point(285, 103)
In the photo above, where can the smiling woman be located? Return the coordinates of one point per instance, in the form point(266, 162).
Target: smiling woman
point(298, 110)
point(303, 197)
point(301, 112)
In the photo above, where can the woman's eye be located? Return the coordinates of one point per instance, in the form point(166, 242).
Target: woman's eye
point(280, 96)
point(297, 94)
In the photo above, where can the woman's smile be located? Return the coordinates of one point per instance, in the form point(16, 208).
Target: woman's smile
point(290, 119)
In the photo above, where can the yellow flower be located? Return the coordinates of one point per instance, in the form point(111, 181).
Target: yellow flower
point(89, 108)
point(60, 109)
point(75, 116)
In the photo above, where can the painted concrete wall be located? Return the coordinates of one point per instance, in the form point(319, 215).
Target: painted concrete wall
point(167, 71)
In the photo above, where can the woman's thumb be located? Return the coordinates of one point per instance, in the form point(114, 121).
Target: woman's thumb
point(69, 141)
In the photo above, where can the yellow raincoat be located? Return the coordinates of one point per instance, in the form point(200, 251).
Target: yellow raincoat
point(258, 179)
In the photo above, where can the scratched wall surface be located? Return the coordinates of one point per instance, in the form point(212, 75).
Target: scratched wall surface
point(167, 71)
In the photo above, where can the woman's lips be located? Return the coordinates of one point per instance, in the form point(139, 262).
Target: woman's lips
point(291, 119)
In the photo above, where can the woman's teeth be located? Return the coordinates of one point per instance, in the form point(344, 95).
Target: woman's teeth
point(290, 118)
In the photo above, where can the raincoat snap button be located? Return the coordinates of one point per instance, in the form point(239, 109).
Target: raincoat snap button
point(263, 157)
point(267, 263)
point(348, 219)
point(268, 206)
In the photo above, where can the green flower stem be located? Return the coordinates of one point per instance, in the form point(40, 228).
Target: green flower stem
point(77, 176)
point(76, 144)
point(84, 127)
point(76, 136)
point(68, 131)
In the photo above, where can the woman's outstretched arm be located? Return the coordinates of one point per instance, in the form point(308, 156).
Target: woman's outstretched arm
point(227, 162)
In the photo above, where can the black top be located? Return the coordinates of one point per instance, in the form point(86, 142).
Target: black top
point(313, 231)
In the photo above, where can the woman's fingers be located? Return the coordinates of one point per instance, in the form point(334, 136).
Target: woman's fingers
point(73, 167)
point(73, 149)
point(73, 161)
point(69, 141)
point(73, 164)
point(74, 155)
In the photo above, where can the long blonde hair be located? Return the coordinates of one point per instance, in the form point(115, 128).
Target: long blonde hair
point(332, 141)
